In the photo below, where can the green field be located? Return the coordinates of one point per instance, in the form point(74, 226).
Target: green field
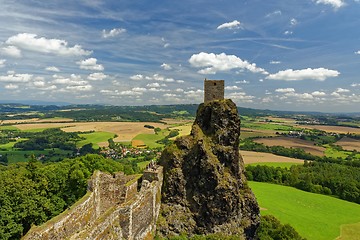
point(275, 164)
point(20, 156)
point(142, 165)
point(266, 126)
point(8, 127)
point(314, 216)
point(150, 139)
point(94, 138)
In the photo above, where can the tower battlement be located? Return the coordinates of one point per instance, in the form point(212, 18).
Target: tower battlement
point(213, 90)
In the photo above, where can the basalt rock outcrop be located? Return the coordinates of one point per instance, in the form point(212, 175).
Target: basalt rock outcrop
point(204, 189)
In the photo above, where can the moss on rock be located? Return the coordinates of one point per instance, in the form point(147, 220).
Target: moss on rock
point(205, 189)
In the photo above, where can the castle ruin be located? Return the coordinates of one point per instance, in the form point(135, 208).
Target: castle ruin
point(214, 90)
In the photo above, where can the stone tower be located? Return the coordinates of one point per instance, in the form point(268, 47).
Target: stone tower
point(214, 90)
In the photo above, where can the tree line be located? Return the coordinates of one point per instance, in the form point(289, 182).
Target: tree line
point(32, 193)
point(317, 177)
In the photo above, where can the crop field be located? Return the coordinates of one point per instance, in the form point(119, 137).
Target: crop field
point(260, 157)
point(349, 144)
point(334, 129)
point(22, 156)
point(98, 139)
point(276, 164)
point(37, 120)
point(183, 130)
point(314, 216)
point(150, 139)
point(266, 126)
point(247, 133)
point(125, 131)
point(293, 142)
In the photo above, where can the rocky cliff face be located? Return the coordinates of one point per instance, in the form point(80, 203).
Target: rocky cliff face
point(205, 190)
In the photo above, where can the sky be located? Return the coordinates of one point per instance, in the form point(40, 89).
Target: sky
point(301, 55)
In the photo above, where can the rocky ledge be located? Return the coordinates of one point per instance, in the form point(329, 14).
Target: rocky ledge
point(205, 190)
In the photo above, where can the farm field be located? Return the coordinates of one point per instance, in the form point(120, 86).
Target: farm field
point(322, 217)
point(247, 132)
point(260, 157)
point(349, 144)
point(293, 142)
point(22, 156)
point(98, 139)
point(275, 164)
point(150, 139)
point(37, 120)
point(125, 131)
point(184, 130)
point(334, 129)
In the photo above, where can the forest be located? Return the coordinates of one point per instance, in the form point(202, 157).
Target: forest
point(32, 193)
point(317, 177)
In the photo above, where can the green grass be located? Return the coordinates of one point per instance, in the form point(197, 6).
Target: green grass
point(142, 165)
point(332, 152)
point(94, 138)
point(314, 216)
point(18, 155)
point(275, 164)
point(350, 232)
point(266, 126)
point(150, 139)
point(8, 127)
point(10, 145)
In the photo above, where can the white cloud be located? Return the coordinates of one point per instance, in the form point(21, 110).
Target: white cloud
point(74, 80)
point(230, 25)
point(288, 32)
point(300, 96)
point(275, 62)
point(355, 85)
point(319, 74)
point(342, 90)
point(318, 94)
point(170, 95)
point(166, 45)
point(293, 22)
point(241, 97)
point(90, 64)
point(52, 69)
point(16, 78)
point(11, 86)
point(33, 43)
point(2, 63)
point(285, 90)
point(158, 77)
point(11, 51)
point(221, 62)
point(231, 88)
point(139, 89)
point(358, 52)
point(113, 32)
point(153, 85)
point(137, 77)
point(336, 4)
point(242, 81)
point(81, 88)
point(273, 14)
point(166, 66)
point(98, 76)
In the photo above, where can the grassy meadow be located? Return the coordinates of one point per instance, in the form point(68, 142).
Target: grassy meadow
point(94, 138)
point(275, 164)
point(314, 216)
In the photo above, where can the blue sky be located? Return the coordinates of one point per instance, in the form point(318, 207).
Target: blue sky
point(282, 55)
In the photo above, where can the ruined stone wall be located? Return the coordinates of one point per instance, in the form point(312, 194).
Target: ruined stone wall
point(112, 209)
point(213, 90)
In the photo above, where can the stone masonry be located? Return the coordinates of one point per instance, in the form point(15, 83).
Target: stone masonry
point(113, 208)
point(214, 90)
